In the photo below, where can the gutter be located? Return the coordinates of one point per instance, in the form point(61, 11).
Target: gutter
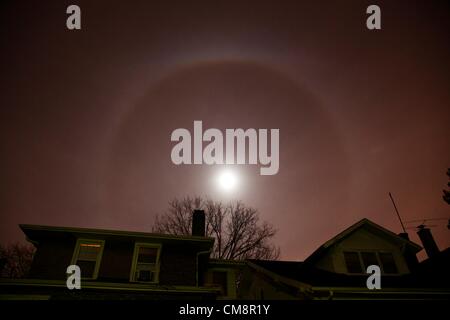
point(103, 286)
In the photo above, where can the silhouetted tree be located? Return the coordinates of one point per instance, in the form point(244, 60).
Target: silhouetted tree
point(446, 195)
point(15, 260)
point(237, 230)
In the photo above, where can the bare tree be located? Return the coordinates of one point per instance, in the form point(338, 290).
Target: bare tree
point(237, 230)
point(15, 260)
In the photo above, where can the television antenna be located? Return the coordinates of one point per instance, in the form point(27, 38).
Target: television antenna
point(398, 214)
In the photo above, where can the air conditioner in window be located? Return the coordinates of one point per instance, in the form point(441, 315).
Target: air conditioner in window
point(145, 272)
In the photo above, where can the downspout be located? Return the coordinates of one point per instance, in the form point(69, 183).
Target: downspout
point(196, 269)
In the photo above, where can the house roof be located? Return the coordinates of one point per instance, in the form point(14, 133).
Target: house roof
point(308, 274)
point(38, 232)
point(372, 226)
point(223, 263)
point(436, 269)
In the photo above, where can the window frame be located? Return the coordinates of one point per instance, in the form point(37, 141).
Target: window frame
point(361, 264)
point(134, 263)
point(97, 261)
point(361, 260)
point(393, 260)
point(231, 281)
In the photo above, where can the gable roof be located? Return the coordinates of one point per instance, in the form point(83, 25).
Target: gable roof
point(431, 273)
point(373, 227)
point(38, 232)
point(309, 275)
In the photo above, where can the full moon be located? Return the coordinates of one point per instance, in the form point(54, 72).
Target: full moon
point(227, 180)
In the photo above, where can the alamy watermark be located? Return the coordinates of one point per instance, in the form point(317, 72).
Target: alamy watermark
point(73, 21)
point(374, 280)
point(73, 277)
point(373, 22)
point(234, 144)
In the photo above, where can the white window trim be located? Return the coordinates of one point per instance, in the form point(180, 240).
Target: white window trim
point(99, 256)
point(138, 245)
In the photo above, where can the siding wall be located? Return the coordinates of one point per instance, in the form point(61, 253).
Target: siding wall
point(178, 261)
point(51, 259)
point(361, 240)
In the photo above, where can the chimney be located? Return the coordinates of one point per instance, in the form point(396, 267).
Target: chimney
point(198, 223)
point(428, 242)
point(410, 257)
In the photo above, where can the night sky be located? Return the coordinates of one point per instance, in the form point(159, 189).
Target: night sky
point(86, 115)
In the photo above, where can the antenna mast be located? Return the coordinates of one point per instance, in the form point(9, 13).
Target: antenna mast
point(398, 214)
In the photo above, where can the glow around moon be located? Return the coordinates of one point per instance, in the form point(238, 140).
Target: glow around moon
point(227, 180)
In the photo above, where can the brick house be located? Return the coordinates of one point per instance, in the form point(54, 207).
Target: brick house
point(123, 265)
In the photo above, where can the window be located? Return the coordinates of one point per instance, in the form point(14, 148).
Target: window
point(369, 258)
point(352, 262)
point(220, 279)
point(87, 255)
point(145, 266)
point(224, 279)
point(388, 262)
point(357, 262)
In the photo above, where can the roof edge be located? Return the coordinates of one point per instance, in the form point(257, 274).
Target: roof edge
point(32, 227)
point(353, 227)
